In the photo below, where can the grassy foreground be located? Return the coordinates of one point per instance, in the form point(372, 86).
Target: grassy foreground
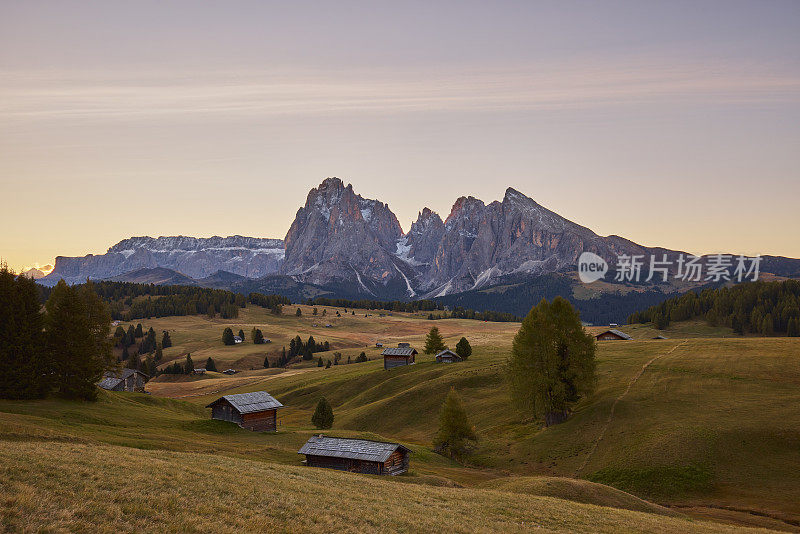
point(100, 488)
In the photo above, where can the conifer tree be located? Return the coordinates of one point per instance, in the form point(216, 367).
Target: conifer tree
point(456, 436)
point(434, 342)
point(241, 334)
point(166, 342)
point(188, 367)
point(159, 354)
point(463, 348)
point(77, 327)
point(24, 362)
point(298, 313)
point(311, 344)
point(266, 362)
point(227, 337)
point(323, 415)
point(210, 365)
point(258, 336)
point(327, 365)
point(319, 362)
point(139, 332)
point(552, 362)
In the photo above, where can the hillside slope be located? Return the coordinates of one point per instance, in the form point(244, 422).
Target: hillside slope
point(118, 489)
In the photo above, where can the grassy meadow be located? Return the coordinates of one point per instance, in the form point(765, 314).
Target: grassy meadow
point(701, 426)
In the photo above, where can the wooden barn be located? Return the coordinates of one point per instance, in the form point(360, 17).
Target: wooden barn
point(448, 356)
point(125, 380)
point(255, 411)
point(403, 354)
point(356, 455)
point(612, 335)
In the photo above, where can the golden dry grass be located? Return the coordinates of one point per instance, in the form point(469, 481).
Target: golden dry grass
point(64, 487)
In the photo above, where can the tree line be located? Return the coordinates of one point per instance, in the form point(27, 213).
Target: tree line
point(765, 308)
point(62, 349)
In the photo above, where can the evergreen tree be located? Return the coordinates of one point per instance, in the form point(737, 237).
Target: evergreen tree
point(134, 362)
point(227, 337)
point(552, 362)
point(323, 415)
point(327, 365)
point(319, 362)
point(241, 334)
point(139, 333)
point(266, 362)
point(159, 354)
point(361, 357)
point(258, 336)
point(311, 344)
point(130, 338)
point(188, 367)
point(166, 342)
point(150, 367)
point(463, 348)
point(314, 312)
point(307, 355)
point(77, 327)
point(434, 342)
point(125, 353)
point(349, 359)
point(298, 313)
point(456, 436)
point(24, 362)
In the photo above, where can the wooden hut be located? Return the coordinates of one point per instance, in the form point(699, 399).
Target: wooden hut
point(448, 356)
point(125, 380)
point(403, 354)
point(356, 455)
point(255, 411)
point(612, 335)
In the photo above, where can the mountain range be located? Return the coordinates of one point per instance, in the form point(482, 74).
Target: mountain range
point(341, 244)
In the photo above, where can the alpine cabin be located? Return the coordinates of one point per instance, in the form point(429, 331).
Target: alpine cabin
point(125, 380)
point(255, 411)
point(403, 354)
point(612, 335)
point(448, 356)
point(356, 455)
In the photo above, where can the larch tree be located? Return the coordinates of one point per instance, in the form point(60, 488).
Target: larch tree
point(23, 360)
point(77, 328)
point(456, 436)
point(552, 362)
point(434, 342)
point(323, 415)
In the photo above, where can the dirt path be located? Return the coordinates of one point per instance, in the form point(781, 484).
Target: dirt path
point(226, 385)
point(616, 401)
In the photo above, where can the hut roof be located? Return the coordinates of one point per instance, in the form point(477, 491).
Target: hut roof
point(356, 449)
point(109, 382)
point(124, 374)
point(258, 401)
point(447, 352)
point(619, 333)
point(399, 351)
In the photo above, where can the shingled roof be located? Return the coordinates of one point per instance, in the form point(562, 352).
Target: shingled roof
point(399, 351)
point(621, 334)
point(258, 401)
point(356, 449)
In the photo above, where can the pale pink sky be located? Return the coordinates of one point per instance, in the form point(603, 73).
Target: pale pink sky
point(673, 123)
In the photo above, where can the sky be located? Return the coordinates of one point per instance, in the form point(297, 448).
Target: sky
point(672, 123)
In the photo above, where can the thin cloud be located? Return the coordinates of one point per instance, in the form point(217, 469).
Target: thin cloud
point(244, 93)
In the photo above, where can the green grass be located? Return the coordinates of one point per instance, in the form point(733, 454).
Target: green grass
point(710, 427)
